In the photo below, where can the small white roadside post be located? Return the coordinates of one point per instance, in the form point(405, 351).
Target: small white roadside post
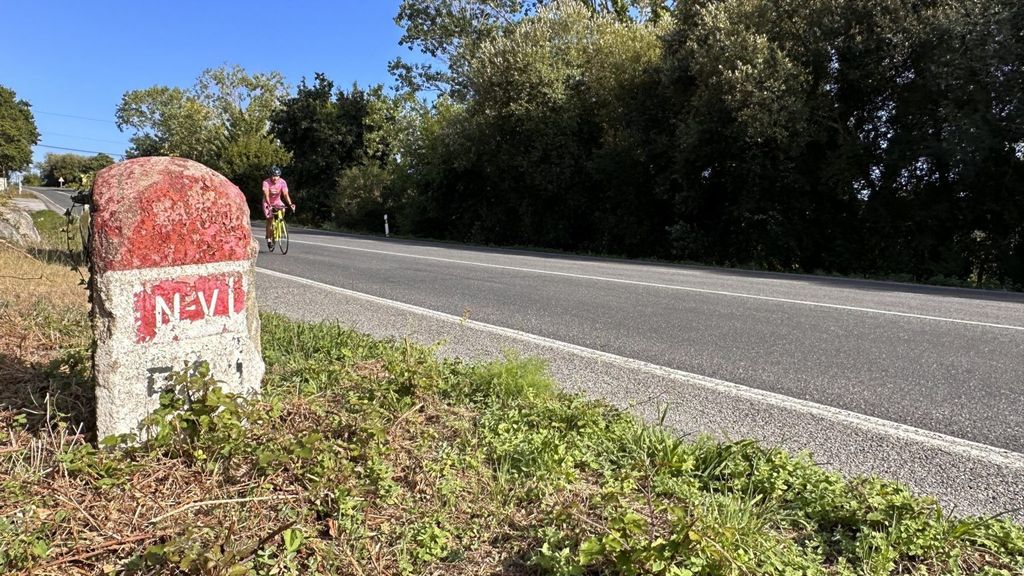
point(387, 231)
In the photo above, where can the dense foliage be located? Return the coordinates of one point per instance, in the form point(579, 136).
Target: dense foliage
point(222, 121)
point(878, 137)
point(75, 169)
point(18, 132)
point(323, 129)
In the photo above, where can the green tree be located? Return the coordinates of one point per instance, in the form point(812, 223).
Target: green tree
point(751, 111)
point(874, 136)
point(75, 169)
point(169, 122)
point(18, 132)
point(323, 129)
point(951, 171)
point(869, 136)
point(450, 31)
point(54, 167)
point(361, 195)
point(98, 162)
point(222, 121)
point(552, 147)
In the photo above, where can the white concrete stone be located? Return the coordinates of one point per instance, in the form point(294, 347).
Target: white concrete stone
point(136, 361)
point(172, 262)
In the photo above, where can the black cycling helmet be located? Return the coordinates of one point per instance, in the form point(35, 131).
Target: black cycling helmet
point(275, 171)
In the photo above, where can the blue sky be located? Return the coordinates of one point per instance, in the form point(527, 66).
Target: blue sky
point(75, 58)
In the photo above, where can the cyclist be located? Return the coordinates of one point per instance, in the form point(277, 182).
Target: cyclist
point(273, 188)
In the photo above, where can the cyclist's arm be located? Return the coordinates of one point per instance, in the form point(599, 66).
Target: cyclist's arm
point(266, 193)
point(287, 198)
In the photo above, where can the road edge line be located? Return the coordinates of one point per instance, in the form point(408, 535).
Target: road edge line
point(54, 206)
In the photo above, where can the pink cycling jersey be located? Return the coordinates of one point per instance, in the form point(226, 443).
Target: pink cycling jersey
point(273, 191)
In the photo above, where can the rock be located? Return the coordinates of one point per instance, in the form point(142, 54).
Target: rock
point(173, 284)
point(16, 226)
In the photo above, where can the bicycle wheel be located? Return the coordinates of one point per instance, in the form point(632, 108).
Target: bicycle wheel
point(283, 240)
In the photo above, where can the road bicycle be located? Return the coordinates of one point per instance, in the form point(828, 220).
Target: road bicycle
point(278, 231)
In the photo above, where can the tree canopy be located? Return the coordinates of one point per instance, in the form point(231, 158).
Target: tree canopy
point(222, 121)
point(323, 129)
point(18, 132)
point(75, 169)
point(881, 137)
point(875, 137)
point(451, 31)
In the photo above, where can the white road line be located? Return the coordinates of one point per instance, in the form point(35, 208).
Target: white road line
point(959, 446)
point(53, 205)
point(673, 287)
point(55, 191)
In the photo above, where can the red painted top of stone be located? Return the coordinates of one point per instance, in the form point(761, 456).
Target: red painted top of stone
point(158, 212)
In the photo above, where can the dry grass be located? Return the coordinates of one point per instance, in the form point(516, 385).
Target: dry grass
point(43, 313)
point(26, 280)
point(45, 411)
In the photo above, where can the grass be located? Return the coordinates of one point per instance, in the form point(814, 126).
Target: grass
point(12, 192)
point(61, 238)
point(374, 457)
point(52, 227)
point(43, 320)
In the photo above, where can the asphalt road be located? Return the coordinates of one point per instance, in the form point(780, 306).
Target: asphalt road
point(949, 361)
point(920, 384)
point(61, 197)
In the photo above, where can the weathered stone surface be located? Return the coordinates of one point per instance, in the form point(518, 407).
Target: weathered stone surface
point(172, 263)
point(16, 226)
point(152, 212)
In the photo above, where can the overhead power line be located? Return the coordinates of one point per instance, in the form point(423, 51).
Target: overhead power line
point(73, 116)
point(86, 138)
point(115, 154)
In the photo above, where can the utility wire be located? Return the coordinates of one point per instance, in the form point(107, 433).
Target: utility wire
point(73, 116)
point(115, 154)
point(86, 138)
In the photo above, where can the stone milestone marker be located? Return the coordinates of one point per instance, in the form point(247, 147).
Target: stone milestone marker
point(172, 263)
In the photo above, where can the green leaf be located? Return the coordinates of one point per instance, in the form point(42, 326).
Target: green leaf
point(40, 549)
point(592, 549)
point(292, 539)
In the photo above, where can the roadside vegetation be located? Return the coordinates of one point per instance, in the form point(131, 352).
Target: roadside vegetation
point(62, 236)
point(877, 139)
point(18, 132)
point(374, 457)
point(75, 170)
